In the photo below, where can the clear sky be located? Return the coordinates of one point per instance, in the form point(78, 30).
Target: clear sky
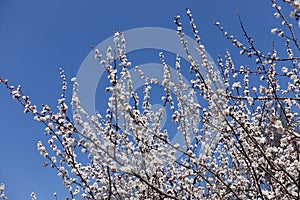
point(38, 37)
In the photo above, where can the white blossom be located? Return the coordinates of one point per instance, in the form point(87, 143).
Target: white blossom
point(235, 142)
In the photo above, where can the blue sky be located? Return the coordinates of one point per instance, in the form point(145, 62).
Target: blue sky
point(38, 37)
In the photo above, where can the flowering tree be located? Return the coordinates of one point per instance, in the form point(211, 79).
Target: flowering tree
point(242, 142)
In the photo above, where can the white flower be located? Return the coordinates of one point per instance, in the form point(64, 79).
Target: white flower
point(278, 126)
point(284, 69)
point(236, 85)
point(280, 34)
point(37, 118)
point(274, 30)
point(277, 15)
point(262, 89)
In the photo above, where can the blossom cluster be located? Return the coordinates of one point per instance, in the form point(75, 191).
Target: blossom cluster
point(241, 142)
point(2, 192)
